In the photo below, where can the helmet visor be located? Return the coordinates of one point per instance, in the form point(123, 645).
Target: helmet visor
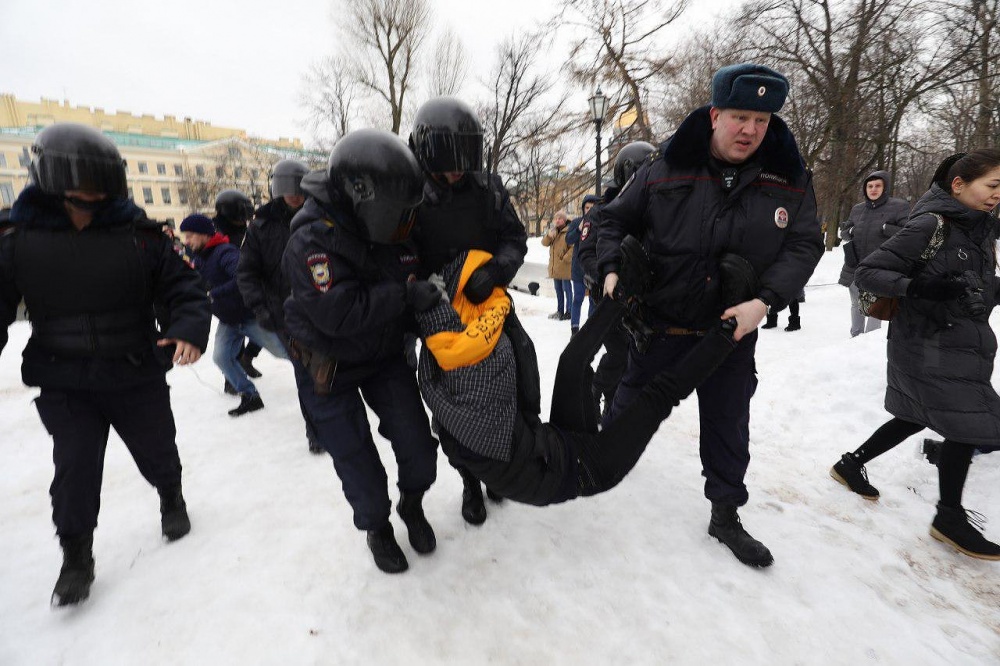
point(444, 152)
point(286, 185)
point(56, 173)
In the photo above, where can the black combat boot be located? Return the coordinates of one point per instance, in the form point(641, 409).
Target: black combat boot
point(772, 320)
point(77, 573)
point(174, 521)
point(473, 508)
point(794, 323)
point(249, 402)
point(961, 528)
point(246, 363)
point(852, 474)
point(727, 528)
point(387, 553)
point(420, 532)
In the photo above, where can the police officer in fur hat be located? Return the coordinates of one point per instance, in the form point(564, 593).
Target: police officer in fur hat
point(730, 180)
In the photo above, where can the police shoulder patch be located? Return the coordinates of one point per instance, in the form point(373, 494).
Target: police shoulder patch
point(584, 230)
point(319, 269)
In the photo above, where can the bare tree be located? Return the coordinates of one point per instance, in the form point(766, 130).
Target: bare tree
point(620, 52)
point(328, 96)
point(447, 68)
point(385, 37)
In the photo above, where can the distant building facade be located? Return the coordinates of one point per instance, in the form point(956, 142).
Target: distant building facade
point(174, 167)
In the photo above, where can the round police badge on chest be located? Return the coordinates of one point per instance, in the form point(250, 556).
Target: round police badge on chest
point(319, 268)
point(781, 218)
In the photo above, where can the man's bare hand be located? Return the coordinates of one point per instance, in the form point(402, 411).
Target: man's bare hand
point(748, 315)
point(610, 282)
point(185, 354)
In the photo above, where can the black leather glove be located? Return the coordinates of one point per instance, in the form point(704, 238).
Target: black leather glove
point(422, 295)
point(480, 284)
point(265, 319)
point(936, 287)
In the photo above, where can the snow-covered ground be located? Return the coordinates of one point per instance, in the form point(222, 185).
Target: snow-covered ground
point(273, 571)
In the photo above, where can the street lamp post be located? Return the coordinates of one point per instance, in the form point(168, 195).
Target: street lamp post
point(598, 108)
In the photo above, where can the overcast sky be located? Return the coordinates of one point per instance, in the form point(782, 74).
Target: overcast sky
point(232, 63)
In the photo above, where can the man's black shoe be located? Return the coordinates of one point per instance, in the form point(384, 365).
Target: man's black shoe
point(249, 402)
point(473, 507)
point(960, 528)
point(420, 532)
point(247, 364)
point(174, 521)
point(77, 573)
point(634, 274)
point(386, 552)
point(727, 528)
point(739, 280)
point(852, 474)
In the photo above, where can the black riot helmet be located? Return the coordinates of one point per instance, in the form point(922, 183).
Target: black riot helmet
point(233, 205)
point(374, 173)
point(447, 136)
point(71, 156)
point(629, 159)
point(286, 178)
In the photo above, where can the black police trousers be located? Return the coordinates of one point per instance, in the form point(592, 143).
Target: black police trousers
point(723, 405)
point(80, 422)
point(341, 424)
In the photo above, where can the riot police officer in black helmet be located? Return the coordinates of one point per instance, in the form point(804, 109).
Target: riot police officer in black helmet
point(90, 266)
point(464, 208)
point(233, 210)
point(261, 281)
point(352, 272)
point(611, 367)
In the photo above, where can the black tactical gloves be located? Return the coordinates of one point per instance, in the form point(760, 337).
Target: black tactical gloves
point(422, 295)
point(481, 283)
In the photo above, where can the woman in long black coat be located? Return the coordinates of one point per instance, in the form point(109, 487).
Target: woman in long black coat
point(941, 347)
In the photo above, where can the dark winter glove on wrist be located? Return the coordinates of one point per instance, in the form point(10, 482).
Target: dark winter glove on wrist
point(265, 319)
point(421, 295)
point(936, 287)
point(480, 284)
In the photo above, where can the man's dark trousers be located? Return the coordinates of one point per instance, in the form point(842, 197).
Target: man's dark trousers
point(723, 403)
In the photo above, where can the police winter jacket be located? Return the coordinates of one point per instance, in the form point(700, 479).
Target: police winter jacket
point(98, 299)
point(587, 247)
point(259, 276)
point(471, 379)
point(560, 253)
point(940, 357)
point(348, 296)
point(869, 224)
point(677, 204)
point(470, 215)
point(216, 263)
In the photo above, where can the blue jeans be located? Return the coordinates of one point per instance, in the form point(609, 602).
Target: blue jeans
point(229, 341)
point(564, 295)
point(579, 291)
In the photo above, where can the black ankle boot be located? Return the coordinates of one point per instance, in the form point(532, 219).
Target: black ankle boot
point(772, 321)
point(852, 474)
point(794, 323)
point(77, 573)
point(247, 364)
point(387, 553)
point(420, 532)
point(473, 508)
point(249, 402)
point(961, 529)
point(174, 521)
point(727, 528)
